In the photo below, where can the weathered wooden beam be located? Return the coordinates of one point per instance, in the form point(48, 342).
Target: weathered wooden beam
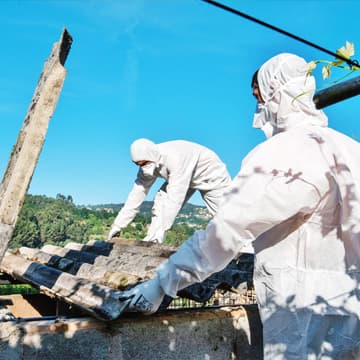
point(26, 151)
point(337, 93)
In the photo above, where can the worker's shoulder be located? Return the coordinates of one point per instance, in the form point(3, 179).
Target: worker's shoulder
point(180, 147)
point(343, 139)
point(297, 142)
point(178, 142)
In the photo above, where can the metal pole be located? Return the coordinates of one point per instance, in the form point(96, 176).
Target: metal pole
point(336, 93)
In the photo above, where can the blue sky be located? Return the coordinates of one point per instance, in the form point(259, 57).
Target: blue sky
point(159, 69)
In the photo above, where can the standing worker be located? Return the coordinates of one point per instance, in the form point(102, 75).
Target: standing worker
point(186, 167)
point(297, 199)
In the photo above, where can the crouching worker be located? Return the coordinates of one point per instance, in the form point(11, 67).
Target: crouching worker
point(297, 199)
point(186, 167)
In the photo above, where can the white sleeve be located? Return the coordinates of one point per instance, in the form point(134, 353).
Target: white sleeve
point(173, 198)
point(135, 199)
point(257, 200)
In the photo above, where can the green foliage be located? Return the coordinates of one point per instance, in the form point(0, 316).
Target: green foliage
point(43, 220)
point(136, 229)
point(27, 229)
point(11, 289)
point(178, 234)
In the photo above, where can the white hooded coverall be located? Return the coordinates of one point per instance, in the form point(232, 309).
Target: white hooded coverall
point(297, 199)
point(186, 167)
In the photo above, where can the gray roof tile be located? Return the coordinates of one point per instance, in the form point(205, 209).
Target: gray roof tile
point(91, 275)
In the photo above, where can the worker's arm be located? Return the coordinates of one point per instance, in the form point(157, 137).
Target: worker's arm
point(267, 192)
point(135, 199)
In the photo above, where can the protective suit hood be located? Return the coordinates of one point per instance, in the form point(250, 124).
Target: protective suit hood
point(288, 92)
point(144, 149)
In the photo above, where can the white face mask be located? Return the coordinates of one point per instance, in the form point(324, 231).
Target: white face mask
point(268, 129)
point(148, 170)
point(262, 119)
point(259, 116)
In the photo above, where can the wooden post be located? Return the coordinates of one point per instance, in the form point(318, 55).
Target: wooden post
point(26, 151)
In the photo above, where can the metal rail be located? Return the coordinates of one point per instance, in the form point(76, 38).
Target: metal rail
point(336, 93)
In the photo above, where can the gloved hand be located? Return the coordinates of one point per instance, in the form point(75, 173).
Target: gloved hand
point(158, 237)
point(150, 238)
point(146, 297)
point(113, 231)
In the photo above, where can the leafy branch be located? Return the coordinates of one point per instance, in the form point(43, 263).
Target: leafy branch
point(346, 52)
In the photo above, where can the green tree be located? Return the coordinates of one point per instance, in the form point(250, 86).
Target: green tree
point(27, 230)
point(178, 234)
point(77, 232)
point(58, 221)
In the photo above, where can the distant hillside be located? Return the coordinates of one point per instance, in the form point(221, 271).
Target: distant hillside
point(192, 214)
point(45, 220)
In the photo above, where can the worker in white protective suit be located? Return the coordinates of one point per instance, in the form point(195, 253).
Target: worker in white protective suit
point(186, 167)
point(297, 199)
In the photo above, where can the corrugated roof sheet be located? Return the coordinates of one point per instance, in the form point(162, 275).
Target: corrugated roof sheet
point(90, 276)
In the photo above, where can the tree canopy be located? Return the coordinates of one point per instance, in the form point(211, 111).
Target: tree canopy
point(44, 220)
